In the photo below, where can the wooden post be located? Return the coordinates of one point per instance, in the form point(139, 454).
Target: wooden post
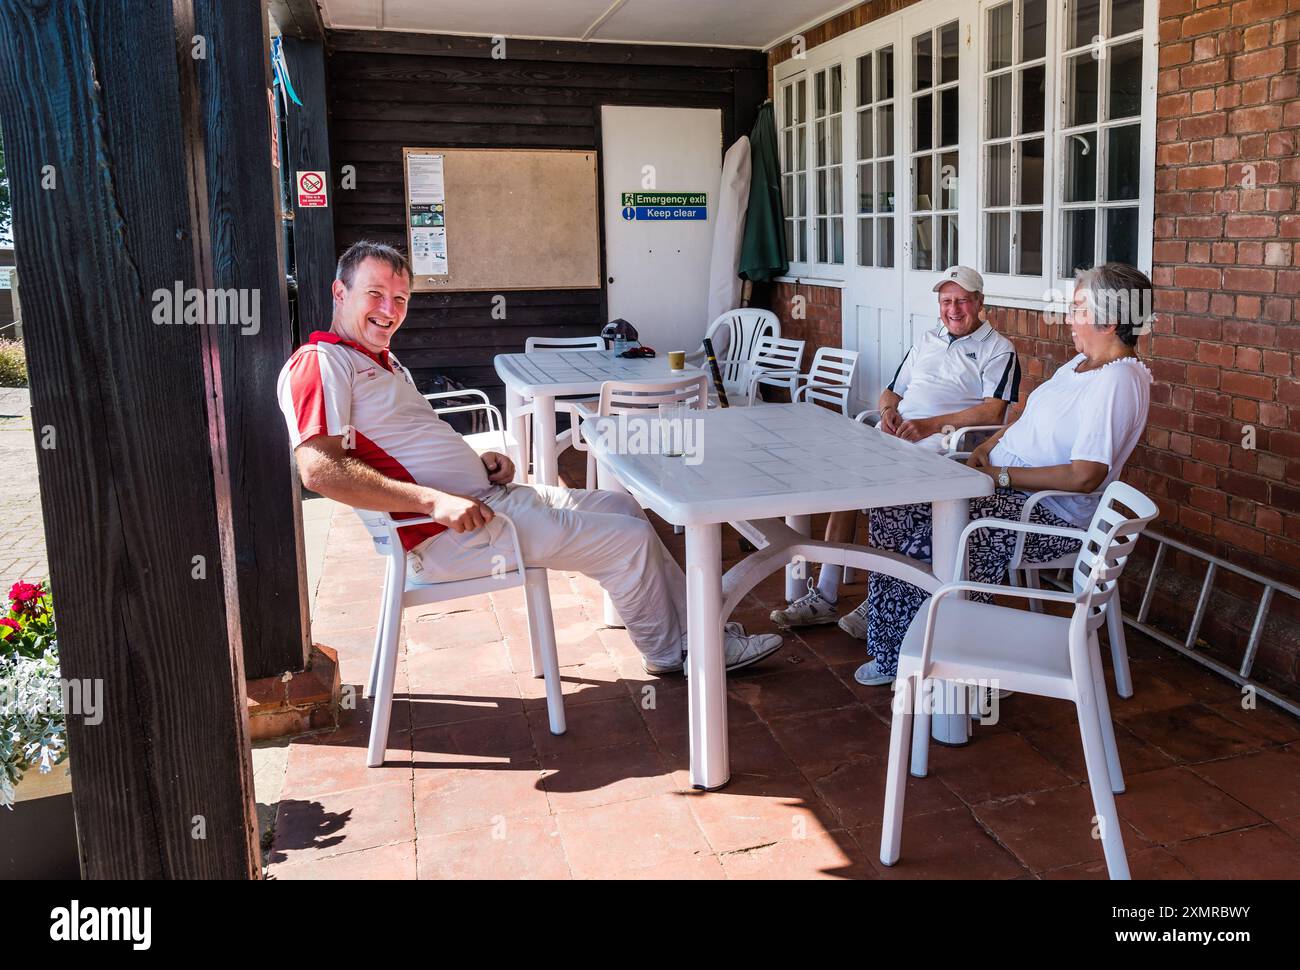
point(308, 149)
point(243, 208)
point(106, 162)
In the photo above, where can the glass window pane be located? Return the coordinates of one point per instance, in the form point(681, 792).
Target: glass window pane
point(1123, 156)
point(837, 240)
point(865, 148)
point(999, 37)
point(836, 84)
point(835, 140)
point(1084, 18)
point(1122, 236)
point(1033, 30)
point(1081, 89)
point(998, 187)
point(789, 239)
point(1125, 16)
point(821, 192)
point(1029, 244)
point(787, 98)
point(884, 186)
point(948, 180)
point(997, 245)
point(1029, 191)
point(864, 79)
point(885, 131)
point(885, 72)
point(787, 186)
point(866, 195)
point(949, 116)
point(787, 154)
point(1081, 167)
point(922, 243)
point(922, 123)
point(800, 100)
point(803, 240)
point(999, 107)
point(801, 195)
point(866, 236)
point(947, 253)
point(819, 95)
point(1033, 99)
point(1124, 64)
point(948, 49)
point(801, 146)
point(1079, 239)
point(922, 61)
point(819, 145)
point(835, 190)
point(922, 199)
point(885, 243)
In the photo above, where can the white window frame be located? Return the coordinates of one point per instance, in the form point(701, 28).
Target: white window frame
point(876, 216)
point(831, 168)
point(1052, 289)
point(1012, 283)
point(785, 88)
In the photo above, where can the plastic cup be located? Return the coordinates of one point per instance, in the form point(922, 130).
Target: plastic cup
point(677, 360)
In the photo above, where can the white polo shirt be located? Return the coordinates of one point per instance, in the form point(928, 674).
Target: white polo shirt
point(332, 386)
point(942, 374)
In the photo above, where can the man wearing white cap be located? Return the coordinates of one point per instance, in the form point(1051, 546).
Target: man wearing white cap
point(959, 373)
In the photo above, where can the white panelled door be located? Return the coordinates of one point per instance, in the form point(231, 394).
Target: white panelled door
point(938, 203)
point(657, 269)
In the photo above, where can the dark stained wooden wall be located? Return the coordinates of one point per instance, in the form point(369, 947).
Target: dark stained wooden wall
point(390, 90)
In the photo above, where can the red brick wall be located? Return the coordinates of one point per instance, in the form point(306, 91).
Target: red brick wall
point(1225, 348)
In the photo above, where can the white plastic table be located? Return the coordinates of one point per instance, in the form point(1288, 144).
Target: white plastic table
point(760, 465)
point(546, 375)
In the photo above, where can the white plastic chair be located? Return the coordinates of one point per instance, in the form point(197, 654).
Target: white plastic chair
point(955, 639)
point(1030, 570)
point(497, 438)
point(399, 593)
point(775, 363)
point(744, 328)
point(529, 407)
point(619, 397)
point(829, 379)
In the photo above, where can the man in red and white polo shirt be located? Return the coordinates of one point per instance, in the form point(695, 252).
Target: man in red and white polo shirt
point(364, 435)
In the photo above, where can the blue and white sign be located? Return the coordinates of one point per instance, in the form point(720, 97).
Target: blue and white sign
point(665, 213)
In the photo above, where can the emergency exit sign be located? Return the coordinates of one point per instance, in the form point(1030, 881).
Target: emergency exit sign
point(666, 198)
point(665, 206)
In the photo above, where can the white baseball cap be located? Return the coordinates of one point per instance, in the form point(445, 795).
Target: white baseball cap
point(965, 277)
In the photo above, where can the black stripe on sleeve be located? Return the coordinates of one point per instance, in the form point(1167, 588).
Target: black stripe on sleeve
point(1010, 374)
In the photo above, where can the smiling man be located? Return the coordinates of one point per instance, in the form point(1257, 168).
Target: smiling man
point(364, 435)
point(958, 374)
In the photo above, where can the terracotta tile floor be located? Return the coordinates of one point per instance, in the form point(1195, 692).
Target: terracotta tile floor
point(475, 785)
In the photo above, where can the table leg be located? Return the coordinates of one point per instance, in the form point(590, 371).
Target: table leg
point(796, 574)
point(706, 665)
point(519, 426)
point(545, 470)
point(950, 722)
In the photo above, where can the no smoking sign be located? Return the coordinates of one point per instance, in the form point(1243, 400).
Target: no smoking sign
point(311, 190)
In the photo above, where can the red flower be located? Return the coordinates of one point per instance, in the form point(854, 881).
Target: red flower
point(25, 592)
point(12, 625)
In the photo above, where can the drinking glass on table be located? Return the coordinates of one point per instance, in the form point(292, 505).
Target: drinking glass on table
point(672, 429)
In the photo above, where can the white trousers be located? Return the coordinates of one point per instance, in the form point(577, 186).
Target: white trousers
point(604, 535)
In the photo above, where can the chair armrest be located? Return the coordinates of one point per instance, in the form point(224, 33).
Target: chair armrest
point(463, 393)
point(952, 441)
point(810, 386)
point(495, 421)
point(577, 411)
point(927, 645)
point(1026, 528)
point(865, 417)
point(1032, 503)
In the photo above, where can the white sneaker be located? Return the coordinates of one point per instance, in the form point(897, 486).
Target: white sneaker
point(739, 650)
point(869, 675)
point(811, 609)
point(855, 623)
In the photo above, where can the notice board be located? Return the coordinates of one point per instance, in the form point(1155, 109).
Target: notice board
point(502, 218)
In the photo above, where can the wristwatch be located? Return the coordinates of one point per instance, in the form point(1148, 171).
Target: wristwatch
point(1004, 478)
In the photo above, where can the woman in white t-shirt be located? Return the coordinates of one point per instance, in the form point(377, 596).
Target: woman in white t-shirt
point(1074, 435)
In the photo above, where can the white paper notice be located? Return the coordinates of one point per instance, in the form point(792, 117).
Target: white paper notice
point(425, 205)
point(429, 251)
point(424, 178)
